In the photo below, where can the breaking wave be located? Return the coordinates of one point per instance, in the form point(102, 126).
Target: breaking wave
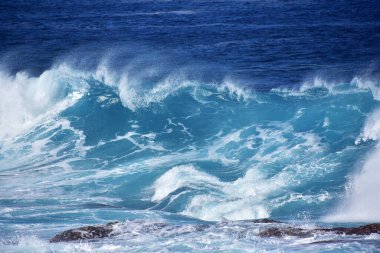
point(208, 150)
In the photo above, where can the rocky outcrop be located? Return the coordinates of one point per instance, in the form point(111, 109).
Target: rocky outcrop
point(87, 232)
point(300, 232)
point(269, 228)
point(362, 230)
point(285, 231)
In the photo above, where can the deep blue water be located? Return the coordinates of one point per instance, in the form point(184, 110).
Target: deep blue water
point(188, 113)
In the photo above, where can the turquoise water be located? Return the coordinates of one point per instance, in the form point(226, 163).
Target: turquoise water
point(184, 152)
point(200, 115)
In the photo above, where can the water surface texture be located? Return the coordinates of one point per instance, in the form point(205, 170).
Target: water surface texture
point(188, 113)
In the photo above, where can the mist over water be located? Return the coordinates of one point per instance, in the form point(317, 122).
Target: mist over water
point(360, 204)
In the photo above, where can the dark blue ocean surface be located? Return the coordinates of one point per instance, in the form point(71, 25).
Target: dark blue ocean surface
point(188, 113)
point(268, 42)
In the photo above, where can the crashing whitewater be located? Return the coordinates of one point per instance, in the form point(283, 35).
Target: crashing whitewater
point(74, 141)
point(276, 154)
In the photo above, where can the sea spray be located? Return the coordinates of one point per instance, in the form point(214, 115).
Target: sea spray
point(361, 203)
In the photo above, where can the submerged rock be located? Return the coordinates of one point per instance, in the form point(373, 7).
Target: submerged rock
point(87, 232)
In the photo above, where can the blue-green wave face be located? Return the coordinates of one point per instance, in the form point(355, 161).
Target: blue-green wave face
point(83, 147)
point(185, 120)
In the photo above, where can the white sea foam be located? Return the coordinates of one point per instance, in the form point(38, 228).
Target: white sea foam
point(135, 94)
point(132, 91)
point(256, 193)
point(234, 90)
point(26, 100)
point(220, 143)
point(368, 84)
point(318, 82)
point(181, 176)
point(371, 130)
point(362, 200)
point(357, 84)
point(238, 200)
point(142, 141)
point(361, 203)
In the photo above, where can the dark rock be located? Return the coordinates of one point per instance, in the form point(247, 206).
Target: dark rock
point(201, 227)
point(101, 231)
point(87, 232)
point(366, 229)
point(300, 232)
point(264, 221)
point(362, 230)
point(287, 231)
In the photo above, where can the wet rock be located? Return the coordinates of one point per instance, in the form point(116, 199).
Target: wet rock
point(271, 228)
point(362, 230)
point(286, 231)
point(201, 227)
point(266, 220)
point(87, 232)
point(300, 232)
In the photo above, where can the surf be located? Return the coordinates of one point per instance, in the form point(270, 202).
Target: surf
point(205, 147)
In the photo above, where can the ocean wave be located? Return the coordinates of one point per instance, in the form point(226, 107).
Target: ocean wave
point(26, 100)
point(361, 201)
point(207, 150)
point(357, 84)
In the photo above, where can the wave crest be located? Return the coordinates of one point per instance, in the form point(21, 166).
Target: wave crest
point(27, 100)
